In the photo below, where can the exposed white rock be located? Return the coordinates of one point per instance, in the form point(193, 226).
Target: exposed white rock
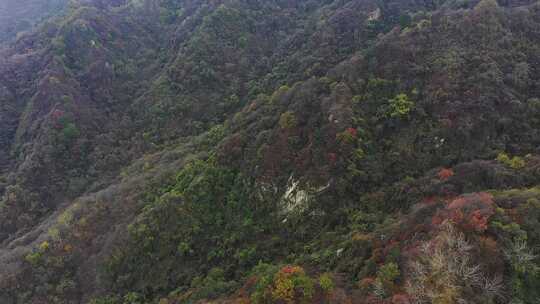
point(298, 195)
point(375, 15)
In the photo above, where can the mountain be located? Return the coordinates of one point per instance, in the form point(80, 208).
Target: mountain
point(21, 15)
point(276, 151)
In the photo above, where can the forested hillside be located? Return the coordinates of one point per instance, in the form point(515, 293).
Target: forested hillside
point(270, 151)
point(18, 16)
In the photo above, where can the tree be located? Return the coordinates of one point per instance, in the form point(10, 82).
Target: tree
point(400, 106)
point(287, 120)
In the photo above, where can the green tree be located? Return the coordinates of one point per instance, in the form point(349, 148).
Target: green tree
point(400, 106)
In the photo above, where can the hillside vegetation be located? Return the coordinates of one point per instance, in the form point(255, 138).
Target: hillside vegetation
point(18, 16)
point(270, 151)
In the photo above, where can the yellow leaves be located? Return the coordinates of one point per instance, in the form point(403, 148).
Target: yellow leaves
point(326, 283)
point(36, 256)
point(68, 248)
point(400, 106)
point(44, 246)
point(65, 218)
point(283, 289)
point(361, 237)
point(287, 120)
point(515, 162)
point(292, 285)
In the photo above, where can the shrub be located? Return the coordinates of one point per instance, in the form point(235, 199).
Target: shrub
point(70, 132)
point(287, 120)
point(33, 258)
point(213, 136)
point(44, 246)
point(326, 283)
point(470, 212)
point(400, 106)
point(503, 158)
point(276, 96)
point(525, 276)
point(348, 136)
point(133, 298)
point(36, 257)
point(264, 273)
point(386, 276)
point(515, 162)
point(521, 258)
point(445, 174)
point(292, 285)
point(105, 300)
point(213, 285)
point(388, 272)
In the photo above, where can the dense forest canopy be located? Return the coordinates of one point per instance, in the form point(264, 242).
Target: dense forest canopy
point(269, 151)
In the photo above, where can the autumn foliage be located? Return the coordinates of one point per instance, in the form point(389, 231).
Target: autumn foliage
point(445, 174)
point(292, 285)
point(471, 212)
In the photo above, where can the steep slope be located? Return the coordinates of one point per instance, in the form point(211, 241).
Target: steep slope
point(272, 152)
point(19, 16)
point(60, 111)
